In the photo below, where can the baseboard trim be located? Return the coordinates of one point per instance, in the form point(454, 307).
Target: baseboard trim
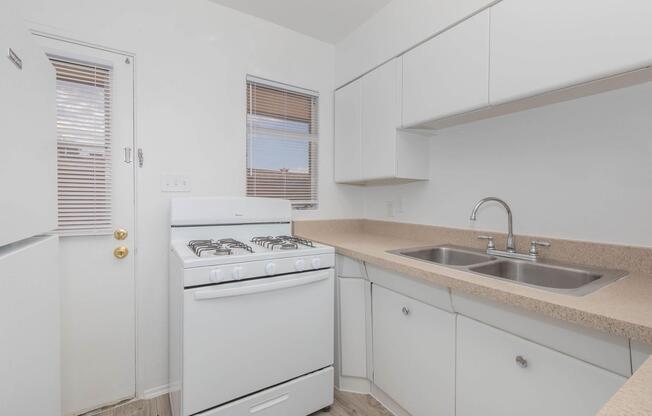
point(355, 385)
point(155, 392)
point(387, 401)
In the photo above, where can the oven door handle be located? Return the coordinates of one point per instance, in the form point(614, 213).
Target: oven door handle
point(259, 288)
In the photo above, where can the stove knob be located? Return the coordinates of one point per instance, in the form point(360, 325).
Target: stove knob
point(300, 264)
point(216, 276)
point(270, 268)
point(238, 273)
point(315, 263)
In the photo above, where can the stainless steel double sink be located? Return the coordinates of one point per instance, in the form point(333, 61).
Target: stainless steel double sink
point(553, 276)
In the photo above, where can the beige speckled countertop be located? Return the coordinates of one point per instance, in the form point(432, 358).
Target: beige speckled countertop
point(622, 308)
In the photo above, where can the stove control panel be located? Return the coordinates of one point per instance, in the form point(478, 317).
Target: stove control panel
point(248, 270)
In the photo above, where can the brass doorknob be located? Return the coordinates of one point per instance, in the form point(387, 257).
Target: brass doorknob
point(120, 234)
point(121, 252)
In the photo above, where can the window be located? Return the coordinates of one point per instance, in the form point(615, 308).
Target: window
point(83, 147)
point(282, 142)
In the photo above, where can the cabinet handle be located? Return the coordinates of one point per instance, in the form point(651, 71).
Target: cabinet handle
point(405, 310)
point(522, 362)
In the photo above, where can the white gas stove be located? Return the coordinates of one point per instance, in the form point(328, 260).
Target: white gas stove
point(251, 311)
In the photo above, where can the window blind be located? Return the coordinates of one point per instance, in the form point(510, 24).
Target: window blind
point(282, 143)
point(83, 106)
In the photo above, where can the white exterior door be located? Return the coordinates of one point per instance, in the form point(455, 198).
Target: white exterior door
point(96, 195)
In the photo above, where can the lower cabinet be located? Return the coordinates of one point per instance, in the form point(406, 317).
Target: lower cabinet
point(414, 353)
point(499, 374)
point(353, 326)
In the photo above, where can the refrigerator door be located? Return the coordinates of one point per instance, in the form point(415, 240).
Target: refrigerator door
point(30, 328)
point(28, 160)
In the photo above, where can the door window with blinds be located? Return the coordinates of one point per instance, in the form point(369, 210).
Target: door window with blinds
point(83, 106)
point(282, 142)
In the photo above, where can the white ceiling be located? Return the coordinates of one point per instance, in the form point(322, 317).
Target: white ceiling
point(327, 20)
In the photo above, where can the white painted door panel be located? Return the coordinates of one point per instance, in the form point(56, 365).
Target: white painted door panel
point(30, 324)
point(414, 353)
point(279, 334)
point(538, 46)
point(490, 382)
point(448, 74)
point(381, 116)
point(353, 313)
point(98, 296)
point(348, 133)
point(27, 127)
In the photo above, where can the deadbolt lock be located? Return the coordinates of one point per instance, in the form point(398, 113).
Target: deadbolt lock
point(120, 234)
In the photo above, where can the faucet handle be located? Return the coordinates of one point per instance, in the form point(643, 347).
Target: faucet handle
point(490, 241)
point(534, 244)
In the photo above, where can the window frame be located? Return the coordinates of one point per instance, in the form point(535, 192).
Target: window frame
point(312, 138)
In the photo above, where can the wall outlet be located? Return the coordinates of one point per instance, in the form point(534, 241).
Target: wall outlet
point(175, 183)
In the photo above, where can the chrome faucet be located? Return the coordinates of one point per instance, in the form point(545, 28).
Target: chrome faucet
point(510, 252)
point(511, 248)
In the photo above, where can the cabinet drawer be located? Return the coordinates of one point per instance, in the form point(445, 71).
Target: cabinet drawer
point(433, 295)
point(499, 374)
point(414, 353)
point(596, 347)
point(298, 397)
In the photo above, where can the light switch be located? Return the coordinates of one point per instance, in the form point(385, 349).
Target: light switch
point(175, 183)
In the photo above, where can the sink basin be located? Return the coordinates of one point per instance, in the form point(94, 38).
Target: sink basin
point(446, 255)
point(538, 274)
point(552, 276)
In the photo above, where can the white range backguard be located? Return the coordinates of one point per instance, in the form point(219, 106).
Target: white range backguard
point(250, 333)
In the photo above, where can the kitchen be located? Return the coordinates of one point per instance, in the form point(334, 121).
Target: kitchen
point(422, 109)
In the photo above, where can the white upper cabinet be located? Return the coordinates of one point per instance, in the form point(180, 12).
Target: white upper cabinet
point(381, 116)
point(543, 45)
point(499, 374)
point(448, 74)
point(368, 147)
point(27, 127)
point(348, 133)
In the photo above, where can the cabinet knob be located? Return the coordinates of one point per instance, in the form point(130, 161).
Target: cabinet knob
point(405, 310)
point(522, 362)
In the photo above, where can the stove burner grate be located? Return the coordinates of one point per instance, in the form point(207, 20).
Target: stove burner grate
point(223, 247)
point(282, 242)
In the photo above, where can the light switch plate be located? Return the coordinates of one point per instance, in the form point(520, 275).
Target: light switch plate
point(175, 183)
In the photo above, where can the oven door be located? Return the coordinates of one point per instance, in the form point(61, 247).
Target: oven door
point(244, 337)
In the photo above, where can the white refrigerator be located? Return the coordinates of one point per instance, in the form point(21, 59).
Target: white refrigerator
point(30, 311)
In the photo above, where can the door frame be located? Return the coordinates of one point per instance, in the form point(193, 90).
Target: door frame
point(39, 30)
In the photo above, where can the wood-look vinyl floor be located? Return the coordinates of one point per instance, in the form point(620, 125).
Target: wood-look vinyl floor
point(351, 404)
point(346, 404)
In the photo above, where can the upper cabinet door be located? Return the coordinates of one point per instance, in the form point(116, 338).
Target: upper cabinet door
point(27, 126)
point(348, 133)
point(539, 46)
point(381, 116)
point(448, 74)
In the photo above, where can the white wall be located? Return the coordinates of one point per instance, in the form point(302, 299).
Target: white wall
point(191, 60)
point(580, 170)
point(398, 26)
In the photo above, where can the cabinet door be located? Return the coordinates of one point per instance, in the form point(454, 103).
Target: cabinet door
point(348, 133)
point(414, 353)
point(381, 115)
point(448, 74)
point(538, 46)
point(493, 381)
point(27, 127)
point(353, 329)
